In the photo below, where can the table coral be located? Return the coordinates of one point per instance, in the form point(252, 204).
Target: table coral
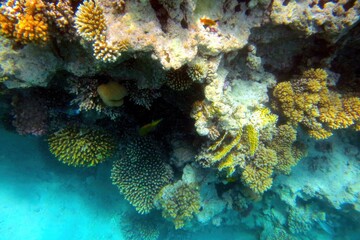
point(81, 146)
point(141, 173)
point(179, 202)
point(308, 101)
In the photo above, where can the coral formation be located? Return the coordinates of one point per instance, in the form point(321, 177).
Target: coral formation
point(308, 101)
point(179, 202)
point(112, 93)
point(90, 20)
point(256, 150)
point(141, 173)
point(220, 57)
point(88, 98)
point(90, 24)
point(34, 21)
point(81, 146)
point(179, 79)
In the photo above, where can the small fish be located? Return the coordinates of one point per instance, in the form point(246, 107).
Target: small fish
point(207, 22)
point(147, 128)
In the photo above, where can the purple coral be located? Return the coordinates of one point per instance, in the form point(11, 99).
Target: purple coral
point(30, 115)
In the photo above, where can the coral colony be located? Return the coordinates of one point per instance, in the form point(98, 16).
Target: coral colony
point(229, 94)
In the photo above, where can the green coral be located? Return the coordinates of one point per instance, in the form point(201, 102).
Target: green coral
point(81, 146)
point(141, 173)
point(179, 201)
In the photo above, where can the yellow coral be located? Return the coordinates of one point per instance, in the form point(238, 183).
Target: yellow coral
point(25, 21)
point(108, 52)
point(314, 105)
point(265, 157)
point(258, 179)
point(81, 147)
point(228, 164)
point(31, 29)
point(252, 138)
point(90, 20)
point(319, 133)
point(352, 107)
point(226, 149)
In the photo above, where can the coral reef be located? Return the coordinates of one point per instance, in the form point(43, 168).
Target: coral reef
point(234, 84)
point(307, 100)
point(179, 202)
point(81, 146)
point(141, 173)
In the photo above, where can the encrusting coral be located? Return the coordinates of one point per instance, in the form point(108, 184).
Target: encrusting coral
point(81, 146)
point(308, 101)
point(179, 202)
point(141, 173)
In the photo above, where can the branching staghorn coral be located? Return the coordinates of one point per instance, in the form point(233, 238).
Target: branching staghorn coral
point(35, 21)
point(81, 146)
point(90, 24)
point(306, 100)
point(141, 173)
point(179, 202)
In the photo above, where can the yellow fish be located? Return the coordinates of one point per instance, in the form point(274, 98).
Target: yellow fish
point(147, 128)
